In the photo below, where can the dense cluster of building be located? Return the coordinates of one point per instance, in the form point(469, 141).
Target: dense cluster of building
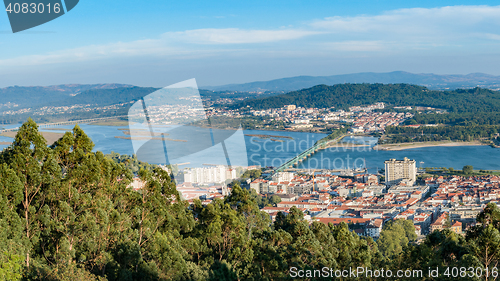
point(366, 205)
point(365, 119)
point(367, 122)
point(363, 202)
point(360, 201)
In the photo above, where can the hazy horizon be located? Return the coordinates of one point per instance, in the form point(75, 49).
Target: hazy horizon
point(158, 44)
point(252, 81)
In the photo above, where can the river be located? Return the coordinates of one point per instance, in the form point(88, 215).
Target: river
point(274, 151)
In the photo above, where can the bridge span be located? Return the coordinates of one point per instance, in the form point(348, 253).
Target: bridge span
point(48, 125)
point(306, 154)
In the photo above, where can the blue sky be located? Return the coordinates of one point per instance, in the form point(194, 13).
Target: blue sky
point(158, 43)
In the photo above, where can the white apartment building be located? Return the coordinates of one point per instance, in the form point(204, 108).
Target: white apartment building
point(398, 171)
point(301, 120)
point(283, 176)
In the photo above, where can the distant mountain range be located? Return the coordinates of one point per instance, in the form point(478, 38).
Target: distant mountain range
point(431, 81)
point(47, 95)
point(16, 99)
point(19, 103)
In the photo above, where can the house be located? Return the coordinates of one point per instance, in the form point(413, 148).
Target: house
point(457, 227)
point(439, 224)
point(374, 228)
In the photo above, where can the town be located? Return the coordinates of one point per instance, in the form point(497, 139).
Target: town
point(362, 201)
point(364, 119)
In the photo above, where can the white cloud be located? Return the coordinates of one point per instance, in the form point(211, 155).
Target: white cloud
point(417, 24)
point(403, 31)
point(356, 46)
point(489, 36)
point(237, 36)
point(168, 44)
point(93, 52)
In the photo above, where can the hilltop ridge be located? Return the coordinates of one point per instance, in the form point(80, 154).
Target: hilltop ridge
point(429, 80)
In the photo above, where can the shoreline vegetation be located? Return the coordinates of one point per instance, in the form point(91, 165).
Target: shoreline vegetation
point(271, 137)
point(57, 129)
point(111, 122)
point(346, 145)
point(338, 143)
point(410, 145)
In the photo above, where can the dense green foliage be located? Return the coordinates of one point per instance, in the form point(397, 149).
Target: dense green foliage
point(461, 119)
point(264, 201)
point(463, 126)
point(474, 113)
point(395, 237)
point(467, 169)
point(130, 162)
point(66, 213)
point(334, 134)
point(251, 174)
point(345, 95)
point(438, 133)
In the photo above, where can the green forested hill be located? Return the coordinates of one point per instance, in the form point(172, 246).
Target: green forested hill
point(98, 95)
point(45, 95)
point(103, 97)
point(432, 81)
point(345, 95)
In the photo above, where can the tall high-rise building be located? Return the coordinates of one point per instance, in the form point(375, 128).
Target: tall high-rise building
point(400, 171)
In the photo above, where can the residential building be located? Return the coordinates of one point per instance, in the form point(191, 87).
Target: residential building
point(400, 171)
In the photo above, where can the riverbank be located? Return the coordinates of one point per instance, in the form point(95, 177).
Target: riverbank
point(347, 145)
point(271, 137)
point(147, 138)
point(111, 122)
point(410, 145)
point(49, 136)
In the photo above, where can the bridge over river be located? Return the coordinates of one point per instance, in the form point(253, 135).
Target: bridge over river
point(321, 144)
point(48, 125)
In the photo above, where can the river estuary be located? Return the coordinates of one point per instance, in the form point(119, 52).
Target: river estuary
point(281, 146)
